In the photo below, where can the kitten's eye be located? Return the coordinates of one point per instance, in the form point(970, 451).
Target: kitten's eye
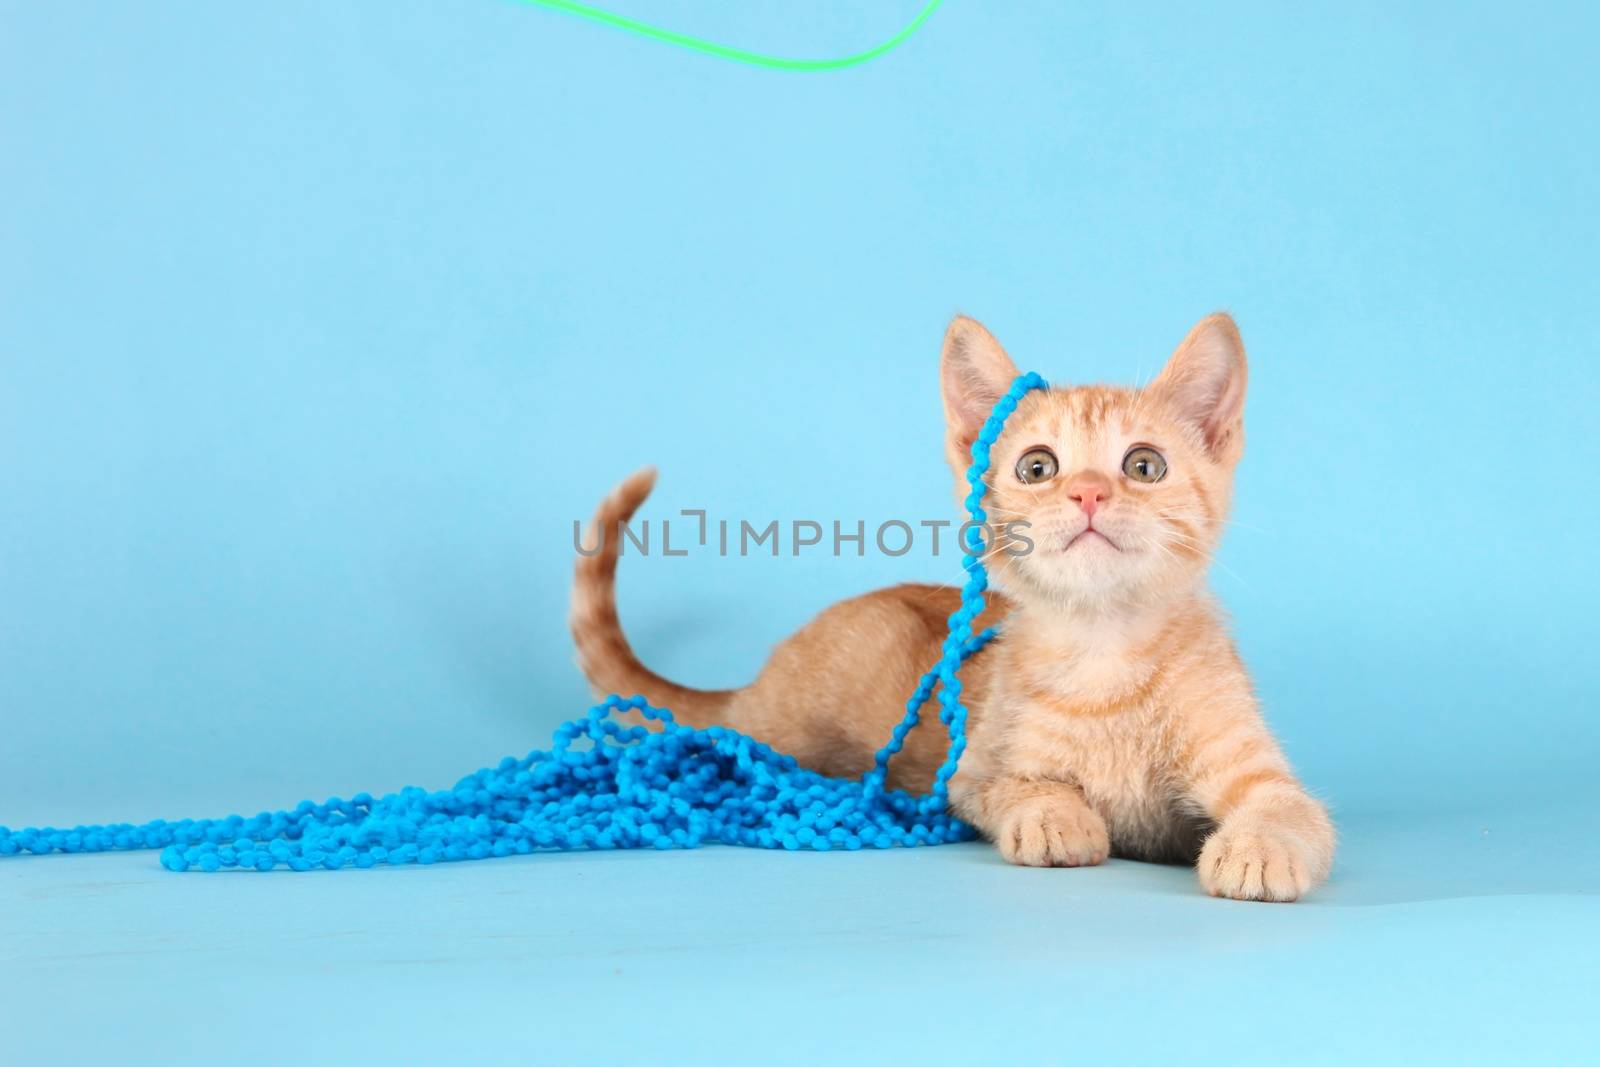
point(1144, 464)
point(1038, 465)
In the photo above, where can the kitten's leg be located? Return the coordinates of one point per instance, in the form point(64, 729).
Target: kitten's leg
point(1036, 822)
point(1273, 840)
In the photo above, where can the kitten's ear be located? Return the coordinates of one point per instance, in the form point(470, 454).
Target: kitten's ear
point(974, 373)
point(1204, 381)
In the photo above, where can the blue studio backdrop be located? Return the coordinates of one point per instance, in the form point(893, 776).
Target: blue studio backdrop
point(321, 324)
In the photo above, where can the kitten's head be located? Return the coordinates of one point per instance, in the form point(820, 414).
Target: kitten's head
point(1123, 491)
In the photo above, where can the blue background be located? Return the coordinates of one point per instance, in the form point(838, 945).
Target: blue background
point(321, 323)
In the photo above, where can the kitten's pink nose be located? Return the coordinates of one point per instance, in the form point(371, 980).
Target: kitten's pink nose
point(1089, 490)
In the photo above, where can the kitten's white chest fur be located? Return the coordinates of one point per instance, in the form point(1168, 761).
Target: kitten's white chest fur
point(1088, 713)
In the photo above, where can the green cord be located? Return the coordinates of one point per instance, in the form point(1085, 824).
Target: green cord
point(722, 51)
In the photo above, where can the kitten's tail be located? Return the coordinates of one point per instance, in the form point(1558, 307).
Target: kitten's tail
point(604, 654)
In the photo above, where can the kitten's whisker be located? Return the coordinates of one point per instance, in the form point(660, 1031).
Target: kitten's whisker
point(1192, 513)
point(1199, 549)
point(987, 556)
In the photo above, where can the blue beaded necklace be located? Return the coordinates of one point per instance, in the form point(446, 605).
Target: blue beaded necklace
point(628, 787)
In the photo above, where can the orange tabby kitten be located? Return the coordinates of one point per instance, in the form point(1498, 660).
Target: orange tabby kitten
point(1113, 714)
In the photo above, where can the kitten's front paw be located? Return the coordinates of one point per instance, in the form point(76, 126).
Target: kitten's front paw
point(1049, 832)
point(1253, 860)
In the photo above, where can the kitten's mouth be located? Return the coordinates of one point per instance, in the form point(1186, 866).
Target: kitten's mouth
point(1088, 536)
